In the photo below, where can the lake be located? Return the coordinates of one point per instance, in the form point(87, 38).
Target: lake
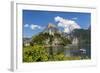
point(70, 50)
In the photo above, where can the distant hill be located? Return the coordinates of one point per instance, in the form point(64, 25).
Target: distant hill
point(26, 41)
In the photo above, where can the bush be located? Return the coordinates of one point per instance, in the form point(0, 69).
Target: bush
point(34, 53)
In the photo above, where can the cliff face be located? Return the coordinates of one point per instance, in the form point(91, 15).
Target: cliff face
point(51, 29)
point(82, 37)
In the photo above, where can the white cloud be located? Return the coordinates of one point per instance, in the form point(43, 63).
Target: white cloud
point(26, 25)
point(75, 18)
point(58, 18)
point(33, 27)
point(68, 25)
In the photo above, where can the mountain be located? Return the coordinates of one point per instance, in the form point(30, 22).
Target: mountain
point(83, 36)
point(51, 29)
point(50, 35)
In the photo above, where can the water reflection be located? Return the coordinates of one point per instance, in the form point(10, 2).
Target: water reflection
point(70, 50)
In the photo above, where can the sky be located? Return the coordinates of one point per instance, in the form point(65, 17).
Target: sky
point(35, 21)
